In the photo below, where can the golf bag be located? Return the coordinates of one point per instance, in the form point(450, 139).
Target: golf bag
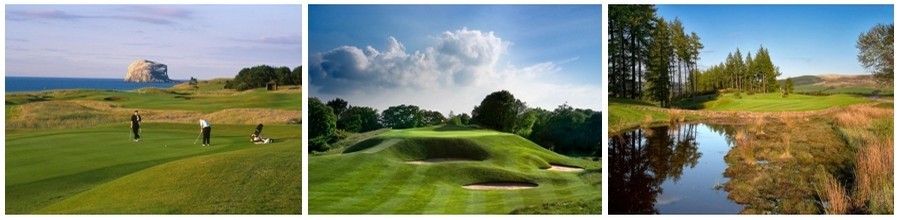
point(257, 138)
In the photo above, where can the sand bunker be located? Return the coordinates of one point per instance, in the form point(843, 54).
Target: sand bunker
point(500, 186)
point(440, 160)
point(564, 168)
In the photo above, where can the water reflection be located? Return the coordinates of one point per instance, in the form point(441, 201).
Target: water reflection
point(662, 170)
point(762, 167)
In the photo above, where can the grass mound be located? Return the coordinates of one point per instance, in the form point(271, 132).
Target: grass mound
point(372, 176)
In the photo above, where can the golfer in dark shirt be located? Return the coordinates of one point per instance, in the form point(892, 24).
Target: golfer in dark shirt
point(136, 126)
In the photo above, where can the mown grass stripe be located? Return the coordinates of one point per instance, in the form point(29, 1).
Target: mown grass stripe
point(360, 184)
point(561, 189)
point(494, 202)
point(383, 191)
point(422, 196)
point(403, 198)
point(437, 200)
point(476, 203)
point(457, 201)
point(514, 200)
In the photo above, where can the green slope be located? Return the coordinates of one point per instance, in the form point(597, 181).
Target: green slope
point(263, 179)
point(372, 176)
point(45, 167)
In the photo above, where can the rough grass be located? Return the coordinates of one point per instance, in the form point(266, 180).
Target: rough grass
point(204, 101)
point(47, 167)
point(870, 132)
point(773, 102)
point(773, 167)
point(375, 179)
point(84, 114)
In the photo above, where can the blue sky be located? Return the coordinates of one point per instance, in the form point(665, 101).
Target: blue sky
point(100, 41)
point(449, 57)
point(802, 39)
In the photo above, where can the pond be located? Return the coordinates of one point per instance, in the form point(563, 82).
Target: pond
point(700, 168)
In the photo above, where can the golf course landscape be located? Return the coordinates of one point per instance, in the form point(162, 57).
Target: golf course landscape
point(449, 169)
point(694, 130)
point(71, 151)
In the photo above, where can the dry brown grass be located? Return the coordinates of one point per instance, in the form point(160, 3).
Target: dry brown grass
point(833, 195)
point(875, 177)
point(61, 114)
point(860, 115)
point(83, 114)
point(869, 131)
point(254, 116)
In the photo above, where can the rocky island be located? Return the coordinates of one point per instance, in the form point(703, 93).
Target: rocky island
point(147, 71)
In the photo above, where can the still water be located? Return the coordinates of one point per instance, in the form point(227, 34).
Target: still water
point(677, 169)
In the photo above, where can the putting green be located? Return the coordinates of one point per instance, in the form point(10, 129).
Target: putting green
point(64, 171)
point(365, 181)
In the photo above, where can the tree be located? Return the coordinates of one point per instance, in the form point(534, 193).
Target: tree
point(403, 116)
point(338, 105)
point(524, 124)
point(322, 125)
point(254, 77)
point(465, 119)
point(433, 117)
point(359, 119)
point(876, 52)
point(297, 75)
point(497, 111)
point(660, 61)
point(789, 86)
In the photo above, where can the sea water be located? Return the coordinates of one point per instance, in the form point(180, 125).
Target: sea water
point(30, 84)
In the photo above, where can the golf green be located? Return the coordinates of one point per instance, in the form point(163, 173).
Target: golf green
point(376, 175)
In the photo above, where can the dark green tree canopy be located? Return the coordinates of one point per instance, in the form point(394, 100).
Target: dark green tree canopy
point(322, 121)
point(359, 119)
point(497, 111)
point(338, 105)
point(259, 76)
point(403, 116)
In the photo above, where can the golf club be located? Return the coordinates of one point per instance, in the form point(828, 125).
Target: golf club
point(198, 137)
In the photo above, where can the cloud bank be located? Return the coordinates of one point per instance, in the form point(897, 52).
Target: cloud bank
point(453, 73)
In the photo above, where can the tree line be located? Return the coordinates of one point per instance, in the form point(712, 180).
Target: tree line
point(259, 76)
point(564, 130)
point(755, 74)
point(651, 58)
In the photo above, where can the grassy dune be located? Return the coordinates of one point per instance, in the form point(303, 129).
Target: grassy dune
point(372, 176)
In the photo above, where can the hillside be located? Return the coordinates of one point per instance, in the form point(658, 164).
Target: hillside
point(427, 170)
point(837, 84)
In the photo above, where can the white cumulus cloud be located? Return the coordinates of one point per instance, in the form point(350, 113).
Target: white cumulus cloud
point(456, 71)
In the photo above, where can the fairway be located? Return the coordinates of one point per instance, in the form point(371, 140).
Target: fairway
point(48, 167)
point(774, 102)
point(373, 176)
point(70, 151)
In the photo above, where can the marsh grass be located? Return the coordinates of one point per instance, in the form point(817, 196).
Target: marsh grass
point(869, 132)
point(832, 193)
